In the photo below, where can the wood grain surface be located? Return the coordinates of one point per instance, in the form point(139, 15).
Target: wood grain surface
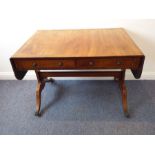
point(78, 49)
point(79, 43)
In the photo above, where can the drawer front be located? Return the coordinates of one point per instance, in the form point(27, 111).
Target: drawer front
point(108, 63)
point(44, 64)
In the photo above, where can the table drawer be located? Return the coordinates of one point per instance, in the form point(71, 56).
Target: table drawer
point(44, 64)
point(108, 63)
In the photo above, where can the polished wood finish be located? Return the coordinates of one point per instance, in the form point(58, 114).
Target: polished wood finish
point(79, 43)
point(86, 63)
point(83, 49)
point(78, 49)
point(123, 92)
point(118, 75)
point(44, 64)
point(39, 88)
point(115, 74)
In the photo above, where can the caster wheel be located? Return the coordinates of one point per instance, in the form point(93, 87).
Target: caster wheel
point(49, 80)
point(38, 114)
point(52, 81)
point(127, 115)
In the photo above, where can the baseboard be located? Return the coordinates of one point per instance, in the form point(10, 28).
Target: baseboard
point(31, 76)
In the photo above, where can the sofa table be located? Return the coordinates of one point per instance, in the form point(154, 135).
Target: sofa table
point(79, 53)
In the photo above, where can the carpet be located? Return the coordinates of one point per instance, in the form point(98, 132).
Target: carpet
point(73, 107)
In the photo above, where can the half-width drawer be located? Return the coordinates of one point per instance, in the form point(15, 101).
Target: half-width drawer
point(108, 63)
point(41, 64)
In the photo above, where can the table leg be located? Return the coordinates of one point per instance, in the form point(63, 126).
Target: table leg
point(124, 93)
point(39, 88)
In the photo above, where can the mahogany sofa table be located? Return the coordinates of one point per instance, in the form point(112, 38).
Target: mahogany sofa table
point(81, 53)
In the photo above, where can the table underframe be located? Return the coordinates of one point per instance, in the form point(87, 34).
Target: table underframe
point(43, 77)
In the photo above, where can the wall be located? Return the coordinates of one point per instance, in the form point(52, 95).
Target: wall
point(20, 19)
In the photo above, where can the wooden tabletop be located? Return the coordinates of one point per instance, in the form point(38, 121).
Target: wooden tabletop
point(79, 43)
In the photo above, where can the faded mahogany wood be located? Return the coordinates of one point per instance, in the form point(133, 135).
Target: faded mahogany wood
point(115, 74)
point(79, 43)
point(91, 63)
point(118, 75)
point(78, 49)
point(123, 92)
point(39, 88)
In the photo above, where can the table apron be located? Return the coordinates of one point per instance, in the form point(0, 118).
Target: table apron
point(88, 63)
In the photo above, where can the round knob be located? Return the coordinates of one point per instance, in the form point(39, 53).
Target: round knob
point(118, 62)
point(91, 63)
point(34, 65)
point(60, 64)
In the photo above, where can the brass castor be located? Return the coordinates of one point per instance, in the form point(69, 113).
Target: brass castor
point(116, 78)
point(51, 80)
point(126, 114)
point(37, 114)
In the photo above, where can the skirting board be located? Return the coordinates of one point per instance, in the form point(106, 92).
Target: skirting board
point(32, 76)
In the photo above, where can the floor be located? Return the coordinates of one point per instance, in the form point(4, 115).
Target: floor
point(77, 107)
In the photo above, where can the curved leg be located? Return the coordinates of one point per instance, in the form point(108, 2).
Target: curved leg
point(38, 99)
point(124, 98)
point(39, 88)
point(124, 94)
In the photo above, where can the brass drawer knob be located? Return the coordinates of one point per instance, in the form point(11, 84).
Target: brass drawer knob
point(34, 65)
point(118, 62)
point(91, 63)
point(60, 63)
